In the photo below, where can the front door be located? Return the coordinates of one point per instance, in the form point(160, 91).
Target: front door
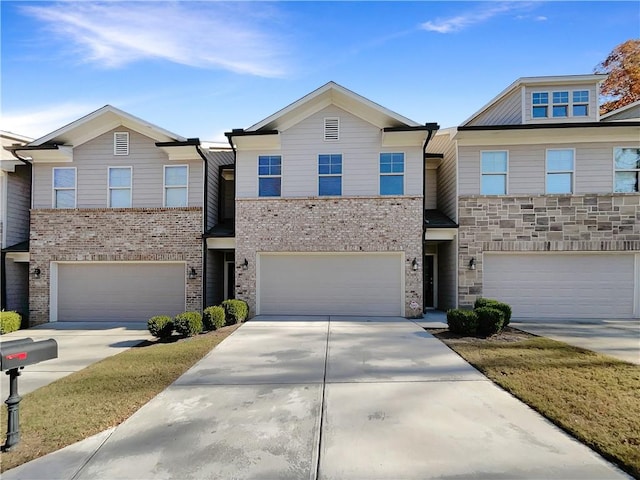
point(229, 280)
point(429, 301)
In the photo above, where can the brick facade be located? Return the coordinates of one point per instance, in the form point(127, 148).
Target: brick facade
point(587, 223)
point(359, 224)
point(131, 234)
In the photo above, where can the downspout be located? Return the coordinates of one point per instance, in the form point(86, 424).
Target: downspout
point(431, 131)
point(205, 210)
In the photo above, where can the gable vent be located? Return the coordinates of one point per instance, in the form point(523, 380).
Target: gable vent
point(331, 129)
point(121, 143)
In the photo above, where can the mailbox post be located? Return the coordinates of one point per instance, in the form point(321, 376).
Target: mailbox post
point(14, 356)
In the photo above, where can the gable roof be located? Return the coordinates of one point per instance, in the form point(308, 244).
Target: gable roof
point(332, 94)
point(101, 121)
point(551, 80)
point(618, 111)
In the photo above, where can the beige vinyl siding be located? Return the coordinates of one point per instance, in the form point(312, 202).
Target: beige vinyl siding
point(507, 111)
point(447, 275)
point(18, 205)
point(17, 274)
point(527, 163)
point(92, 160)
point(447, 174)
point(359, 144)
point(593, 103)
point(431, 199)
point(214, 161)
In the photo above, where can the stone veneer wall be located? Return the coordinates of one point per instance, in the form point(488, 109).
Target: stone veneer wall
point(602, 223)
point(357, 224)
point(99, 235)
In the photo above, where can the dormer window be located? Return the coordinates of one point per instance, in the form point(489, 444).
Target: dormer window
point(331, 129)
point(560, 104)
point(540, 102)
point(121, 143)
point(581, 103)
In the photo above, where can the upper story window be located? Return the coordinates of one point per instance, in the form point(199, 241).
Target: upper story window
point(560, 104)
point(330, 174)
point(269, 175)
point(627, 169)
point(120, 187)
point(581, 103)
point(175, 185)
point(64, 187)
point(494, 173)
point(121, 143)
point(560, 167)
point(391, 173)
point(331, 129)
point(540, 101)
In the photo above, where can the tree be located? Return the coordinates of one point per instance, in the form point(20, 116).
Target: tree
point(622, 86)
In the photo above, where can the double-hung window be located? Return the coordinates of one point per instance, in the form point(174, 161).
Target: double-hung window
point(392, 174)
point(269, 175)
point(627, 169)
point(560, 168)
point(330, 174)
point(580, 103)
point(64, 187)
point(560, 104)
point(119, 187)
point(175, 185)
point(540, 104)
point(493, 167)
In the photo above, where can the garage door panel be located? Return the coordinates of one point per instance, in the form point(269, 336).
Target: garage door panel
point(360, 284)
point(119, 291)
point(562, 285)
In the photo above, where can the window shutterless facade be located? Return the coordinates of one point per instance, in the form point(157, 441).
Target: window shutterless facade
point(493, 167)
point(560, 104)
point(563, 104)
point(626, 164)
point(120, 187)
point(176, 178)
point(580, 103)
point(64, 187)
point(540, 104)
point(392, 174)
point(330, 174)
point(269, 175)
point(560, 171)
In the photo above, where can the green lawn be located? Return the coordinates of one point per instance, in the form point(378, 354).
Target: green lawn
point(594, 397)
point(101, 396)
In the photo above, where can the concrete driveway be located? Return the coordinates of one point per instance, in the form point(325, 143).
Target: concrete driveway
point(79, 344)
point(328, 398)
point(617, 338)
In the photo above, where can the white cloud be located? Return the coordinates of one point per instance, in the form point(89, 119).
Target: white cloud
point(472, 17)
point(37, 123)
point(232, 37)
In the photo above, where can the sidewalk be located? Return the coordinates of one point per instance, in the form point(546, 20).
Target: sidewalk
point(328, 398)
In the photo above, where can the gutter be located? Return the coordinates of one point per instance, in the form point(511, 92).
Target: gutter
point(431, 128)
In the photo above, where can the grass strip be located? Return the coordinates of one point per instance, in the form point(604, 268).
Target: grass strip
point(594, 397)
point(101, 396)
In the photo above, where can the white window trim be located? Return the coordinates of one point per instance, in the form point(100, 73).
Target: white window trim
point(130, 187)
point(547, 105)
point(164, 185)
point(115, 152)
point(561, 104)
point(572, 172)
point(53, 186)
point(615, 170)
point(505, 173)
point(570, 103)
point(329, 174)
point(324, 129)
point(404, 176)
point(268, 176)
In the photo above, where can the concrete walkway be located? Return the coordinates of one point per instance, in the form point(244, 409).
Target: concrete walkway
point(79, 345)
point(328, 398)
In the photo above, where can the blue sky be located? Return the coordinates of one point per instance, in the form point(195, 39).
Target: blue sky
point(200, 68)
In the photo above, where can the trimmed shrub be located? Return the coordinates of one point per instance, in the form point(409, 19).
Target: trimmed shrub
point(461, 321)
point(9, 322)
point(188, 324)
point(490, 320)
point(490, 302)
point(214, 318)
point(160, 326)
point(236, 311)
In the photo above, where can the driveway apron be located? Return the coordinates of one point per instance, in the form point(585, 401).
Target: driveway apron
point(331, 398)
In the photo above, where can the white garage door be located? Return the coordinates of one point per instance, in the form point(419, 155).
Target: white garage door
point(331, 284)
point(563, 285)
point(126, 292)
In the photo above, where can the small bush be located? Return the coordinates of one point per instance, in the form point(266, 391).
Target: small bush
point(9, 322)
point(160, 326)
point(236, 311)
point(214, 318)
point(490, 320)
point(462, 321)
point(188, 324)
point(490, 302)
